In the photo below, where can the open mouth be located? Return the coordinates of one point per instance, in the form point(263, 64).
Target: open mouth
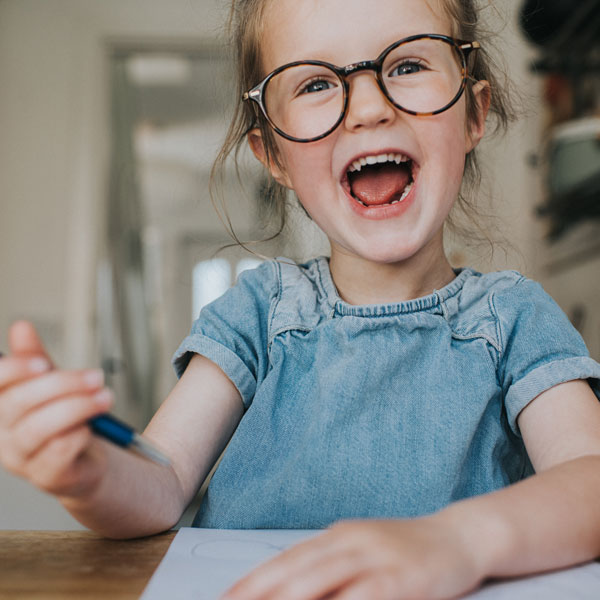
point(381, 180)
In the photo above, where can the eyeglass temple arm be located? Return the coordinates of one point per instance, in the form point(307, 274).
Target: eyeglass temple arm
point(253, 94)
point(468, 47)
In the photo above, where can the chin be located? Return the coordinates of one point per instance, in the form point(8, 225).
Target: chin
point(389, 255)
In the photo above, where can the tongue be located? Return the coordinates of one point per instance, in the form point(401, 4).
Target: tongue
point(379, 184)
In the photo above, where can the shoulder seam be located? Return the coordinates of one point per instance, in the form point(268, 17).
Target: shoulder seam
point(501, 338)
point(501, 342)
point(494, 312)
point(275, 302)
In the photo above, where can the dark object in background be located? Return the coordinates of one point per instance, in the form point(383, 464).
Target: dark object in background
point(567, 33)
point(554, 22)
point(543, 20)
point(574, 175)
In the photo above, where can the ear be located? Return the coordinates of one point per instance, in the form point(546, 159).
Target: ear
point(257, 145)
point(475, 130)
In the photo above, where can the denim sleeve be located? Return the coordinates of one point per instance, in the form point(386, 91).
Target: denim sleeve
point(232, 331)
point(539, 347)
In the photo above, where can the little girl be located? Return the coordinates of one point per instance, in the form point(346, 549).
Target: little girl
point(439, 422)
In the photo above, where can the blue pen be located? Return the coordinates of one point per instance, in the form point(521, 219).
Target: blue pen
point(123, 435)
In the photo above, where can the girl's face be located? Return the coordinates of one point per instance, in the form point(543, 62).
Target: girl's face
point(344, 32)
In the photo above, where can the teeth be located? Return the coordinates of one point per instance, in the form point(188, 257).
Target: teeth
point(359, 163)
point(404, 193)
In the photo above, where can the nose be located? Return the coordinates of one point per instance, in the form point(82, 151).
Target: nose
point(367, 104)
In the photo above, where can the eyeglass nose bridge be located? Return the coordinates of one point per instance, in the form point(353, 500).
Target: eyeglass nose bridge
point(357, 67)
point(363, 65)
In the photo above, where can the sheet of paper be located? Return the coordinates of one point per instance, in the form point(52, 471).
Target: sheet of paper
point(202, 563)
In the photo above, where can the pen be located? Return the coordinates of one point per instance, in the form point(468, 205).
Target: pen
point(123, 435)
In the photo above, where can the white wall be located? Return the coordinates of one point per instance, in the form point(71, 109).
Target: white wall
point(54, 127)
point(44, 86)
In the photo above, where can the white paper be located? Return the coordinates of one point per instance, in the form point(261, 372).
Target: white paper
point(201, 564)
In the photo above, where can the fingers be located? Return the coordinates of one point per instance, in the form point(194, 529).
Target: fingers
point(60, 467)
point(19, 399)
point(38, 415)
point(307, 571)
point(13, 370)
point(24, 341)
point(28, 356)
point(382, 587)
point(44, 435)
point(318, 582)
point(55, 418)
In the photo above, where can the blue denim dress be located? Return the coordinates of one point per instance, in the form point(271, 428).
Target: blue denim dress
point(387, 410)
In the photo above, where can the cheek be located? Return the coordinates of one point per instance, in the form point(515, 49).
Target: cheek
point(442, 178)
point(308, 166)
point(453, 175)
point(448, 148)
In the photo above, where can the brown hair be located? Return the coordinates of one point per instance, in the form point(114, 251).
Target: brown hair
point(245, 31)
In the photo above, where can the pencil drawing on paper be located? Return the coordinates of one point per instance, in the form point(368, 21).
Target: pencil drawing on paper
point(236, 549)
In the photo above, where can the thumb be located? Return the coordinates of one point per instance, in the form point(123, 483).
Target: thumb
point(24, 341)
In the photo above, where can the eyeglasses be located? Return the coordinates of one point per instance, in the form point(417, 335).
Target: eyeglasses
point(422, 75)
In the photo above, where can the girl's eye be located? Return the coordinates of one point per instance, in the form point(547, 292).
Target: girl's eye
point(317, 85)
point(407, 68)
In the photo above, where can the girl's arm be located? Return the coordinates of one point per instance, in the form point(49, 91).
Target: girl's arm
point(551, 519)
point(137, 497)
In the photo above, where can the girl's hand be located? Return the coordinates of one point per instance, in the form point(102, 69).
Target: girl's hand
point(43, 414)
point(423, 558)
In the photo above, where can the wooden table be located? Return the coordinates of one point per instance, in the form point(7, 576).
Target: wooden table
point(76, 564)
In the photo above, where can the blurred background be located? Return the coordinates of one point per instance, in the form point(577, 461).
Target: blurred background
point(111, 113)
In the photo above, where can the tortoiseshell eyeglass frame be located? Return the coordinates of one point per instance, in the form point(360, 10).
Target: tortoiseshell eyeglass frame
point(462, 47)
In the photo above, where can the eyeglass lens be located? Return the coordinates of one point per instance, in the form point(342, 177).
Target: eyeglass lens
point(305, 101)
